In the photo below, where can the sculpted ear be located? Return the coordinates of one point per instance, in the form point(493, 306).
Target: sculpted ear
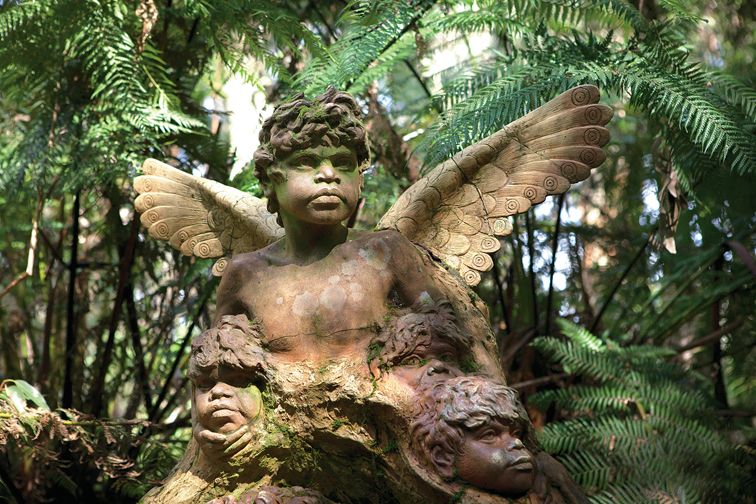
point(443, 461)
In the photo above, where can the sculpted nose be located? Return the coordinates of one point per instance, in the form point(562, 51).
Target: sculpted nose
point(326, 173)
point(436, 367)
point(221, 390)
point(515, 444)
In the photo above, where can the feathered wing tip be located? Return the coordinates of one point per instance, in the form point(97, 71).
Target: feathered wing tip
point(201, 217)
point(460, 207)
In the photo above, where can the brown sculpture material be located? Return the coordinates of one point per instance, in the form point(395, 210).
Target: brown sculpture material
point(225, 362)
point(471, 428)
point(354, 364)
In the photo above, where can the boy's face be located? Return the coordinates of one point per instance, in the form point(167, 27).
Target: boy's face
point(225, 400)
point(321, 186)
point(494, 458)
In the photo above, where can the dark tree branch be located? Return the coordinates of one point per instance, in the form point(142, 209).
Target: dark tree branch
point(720, 391)
point(180, 354)
point(421, 9)
point(554, 248)
point(127, 260)
point(43, 373)
point(500, 292)
point(524, 339)
point(579, 257)
point(715, 336)
point(20, 278)
point(744, 255)
point(735, 413)
point(67, 401)
point(53, 249)
point(531, 254)
point(539, 381)
point(314, 6)
point(136, 343)
point(423, 85)
point(617, 285)
point(171, 400)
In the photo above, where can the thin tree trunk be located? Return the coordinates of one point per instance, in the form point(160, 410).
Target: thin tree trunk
point(136, 342)
point(500, 291)
point(156, 412)
point(720, 391)
point(127, 259)
point(554, 249)
point(617, 285)
point(712, 337)
point(67, 401)
point(531, 255)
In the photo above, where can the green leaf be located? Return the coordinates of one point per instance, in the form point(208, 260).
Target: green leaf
point(21, 392)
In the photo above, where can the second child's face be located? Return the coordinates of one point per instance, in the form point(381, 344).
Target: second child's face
point(494, 458)
point(226, 402)
point(322, 185)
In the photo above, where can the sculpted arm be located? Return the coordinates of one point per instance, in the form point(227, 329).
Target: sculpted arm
point(229, 300)
point(414, 280)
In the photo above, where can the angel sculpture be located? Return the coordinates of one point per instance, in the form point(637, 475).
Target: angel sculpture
point(320, 292)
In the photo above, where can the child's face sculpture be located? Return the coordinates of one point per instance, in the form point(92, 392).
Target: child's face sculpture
point(493, 457)
point(225, 400)
point(319, 185)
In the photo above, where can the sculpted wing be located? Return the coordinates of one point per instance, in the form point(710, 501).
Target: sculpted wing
point(202, 217)
point(460, 207)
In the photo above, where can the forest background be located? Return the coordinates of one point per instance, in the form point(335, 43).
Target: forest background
point(624, 310)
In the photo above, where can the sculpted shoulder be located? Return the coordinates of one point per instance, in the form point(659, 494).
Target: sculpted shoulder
point(242, 266)
point(389, 237)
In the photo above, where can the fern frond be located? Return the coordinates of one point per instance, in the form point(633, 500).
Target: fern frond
point(400, 51)
point(672, 98)
point(16, 19)
point(735, 92)
point(363, 44)
point(489, 109)
point(640, 433)
point(581, 336)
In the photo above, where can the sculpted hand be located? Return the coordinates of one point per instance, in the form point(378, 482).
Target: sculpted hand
point(216, 445)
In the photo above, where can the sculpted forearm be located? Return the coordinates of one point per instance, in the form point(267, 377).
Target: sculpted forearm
point(228, 300)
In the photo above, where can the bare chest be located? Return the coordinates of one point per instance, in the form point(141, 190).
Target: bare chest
point(331, 306)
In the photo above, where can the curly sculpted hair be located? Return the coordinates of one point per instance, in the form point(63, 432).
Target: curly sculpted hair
point(233, 343)
point(333, 119)
point(458, 405)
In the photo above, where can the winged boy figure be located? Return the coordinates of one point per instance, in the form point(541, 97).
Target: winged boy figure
point(292, 264)
point(319, 290)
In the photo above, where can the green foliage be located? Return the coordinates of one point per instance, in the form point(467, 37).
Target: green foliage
point(97, 97)
point(639, 427)
point(19, 393)
point(43, 444)
point(548, 51)
point(88, 89)
point(374, 28)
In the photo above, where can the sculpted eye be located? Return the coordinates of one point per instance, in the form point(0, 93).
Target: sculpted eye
point(306, 160)
point(343, 162)
point(204, 384)
point(412, 360)
point(238, 381)
point(487, 435)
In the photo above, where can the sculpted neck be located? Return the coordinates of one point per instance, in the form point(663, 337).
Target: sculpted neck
point(306, 242)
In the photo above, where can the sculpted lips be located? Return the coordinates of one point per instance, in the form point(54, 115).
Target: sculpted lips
point(327, 196)
point(221, 409)
point(522, 464)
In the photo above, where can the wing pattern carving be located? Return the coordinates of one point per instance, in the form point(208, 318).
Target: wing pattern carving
point(202, 217)
point(460, 207)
